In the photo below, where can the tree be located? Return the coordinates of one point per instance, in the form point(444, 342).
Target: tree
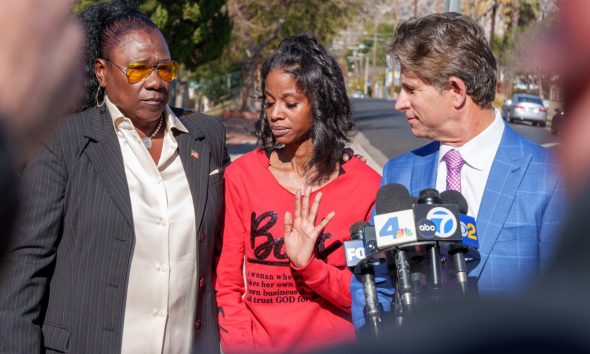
point(527, 21)
point(260, 24)
point(520, 23)
point(197, 31)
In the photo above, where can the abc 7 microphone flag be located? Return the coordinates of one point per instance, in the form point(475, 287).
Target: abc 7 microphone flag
point(421, 223)
point(439, 222)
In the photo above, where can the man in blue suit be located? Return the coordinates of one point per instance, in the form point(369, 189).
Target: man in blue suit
point(448, 83)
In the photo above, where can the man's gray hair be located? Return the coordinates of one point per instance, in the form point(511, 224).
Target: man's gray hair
point(442, 45)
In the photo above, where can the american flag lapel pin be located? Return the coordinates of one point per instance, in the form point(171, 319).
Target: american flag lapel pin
point(194, 154)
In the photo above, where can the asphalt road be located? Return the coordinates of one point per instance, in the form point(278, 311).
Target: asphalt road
point(388, 134)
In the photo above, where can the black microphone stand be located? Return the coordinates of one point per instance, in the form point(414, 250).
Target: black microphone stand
point(430, 197)
point(460, 268)
point(372, 303)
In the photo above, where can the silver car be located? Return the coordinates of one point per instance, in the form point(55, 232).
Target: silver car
point(525, 108)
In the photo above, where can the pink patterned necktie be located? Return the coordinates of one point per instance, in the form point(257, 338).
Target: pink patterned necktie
point(454, 163)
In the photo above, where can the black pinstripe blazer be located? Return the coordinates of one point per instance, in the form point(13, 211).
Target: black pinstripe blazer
point(64, 285)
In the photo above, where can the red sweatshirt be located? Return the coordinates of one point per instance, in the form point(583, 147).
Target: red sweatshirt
point(281, 307)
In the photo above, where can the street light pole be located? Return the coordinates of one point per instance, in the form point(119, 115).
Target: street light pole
point(493, 26)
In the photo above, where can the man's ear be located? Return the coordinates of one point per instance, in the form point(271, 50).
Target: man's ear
point(458, 91)
point(100, 68)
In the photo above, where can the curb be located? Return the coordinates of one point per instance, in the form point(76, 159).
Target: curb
point(375, 158)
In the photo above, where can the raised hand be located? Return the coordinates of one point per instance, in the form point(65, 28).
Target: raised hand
point(301, 233)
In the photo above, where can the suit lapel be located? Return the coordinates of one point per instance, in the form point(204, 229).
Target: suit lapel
point(104, 153)
point(424, 168)
point(508, 169)
point(195, 156)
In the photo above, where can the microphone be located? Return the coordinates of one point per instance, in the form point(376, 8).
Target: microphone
point(468, 235)
point(406, 226)
point(469, 231)
point(357, 233)
point(401, 222)
point(362, 245)
point(354, 249)
point(394, 219)
point(404, 229)
point(468, 228)
point(355, 254)
point(455, 197)
point(394, 225)
point(435, 220)
point(430, 197)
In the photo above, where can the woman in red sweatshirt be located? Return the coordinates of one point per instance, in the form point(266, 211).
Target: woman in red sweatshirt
point(295, 296)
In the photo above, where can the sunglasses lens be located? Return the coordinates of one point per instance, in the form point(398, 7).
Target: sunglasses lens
point(168, 70)
point(136, 72)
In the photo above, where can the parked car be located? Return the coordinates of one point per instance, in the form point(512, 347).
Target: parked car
point(525, 108)
point(557, 122)
point(358, 94)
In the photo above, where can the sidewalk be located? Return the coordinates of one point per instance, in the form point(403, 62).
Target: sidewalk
point(239, 141)
point(237, 126)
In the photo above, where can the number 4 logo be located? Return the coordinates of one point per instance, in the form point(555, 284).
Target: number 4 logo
point(390, 228)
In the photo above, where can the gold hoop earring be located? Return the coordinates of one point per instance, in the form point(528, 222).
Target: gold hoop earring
point(98, 94)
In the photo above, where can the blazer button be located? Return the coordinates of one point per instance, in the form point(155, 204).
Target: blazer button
point(197, 324)
point(203, 236)
point(201, 282)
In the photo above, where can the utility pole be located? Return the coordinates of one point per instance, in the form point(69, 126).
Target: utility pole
point(493, 26)
point(374, 56)
point(367, 75)
point(515, 15)
point(415, 8)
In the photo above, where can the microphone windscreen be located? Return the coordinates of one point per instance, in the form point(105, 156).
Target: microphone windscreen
point(358, 226)
point(393, 197)
point(429, 196)
point(428, 193)
point(455, 197)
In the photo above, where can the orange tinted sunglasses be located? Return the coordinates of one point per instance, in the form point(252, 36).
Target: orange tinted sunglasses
point(139, 71)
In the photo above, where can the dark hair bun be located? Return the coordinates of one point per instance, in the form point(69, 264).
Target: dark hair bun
point(104, 23)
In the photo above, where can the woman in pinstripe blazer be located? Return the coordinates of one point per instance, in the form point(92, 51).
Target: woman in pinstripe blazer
point(114, 247)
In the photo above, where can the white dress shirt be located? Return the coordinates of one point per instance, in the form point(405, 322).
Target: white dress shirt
point(161, 292)
point(478, 154)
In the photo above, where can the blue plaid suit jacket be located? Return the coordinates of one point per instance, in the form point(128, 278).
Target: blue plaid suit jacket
point(519, 217)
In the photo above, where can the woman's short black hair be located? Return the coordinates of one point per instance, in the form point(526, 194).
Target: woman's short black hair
point(104, 25)
point(320, 78)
